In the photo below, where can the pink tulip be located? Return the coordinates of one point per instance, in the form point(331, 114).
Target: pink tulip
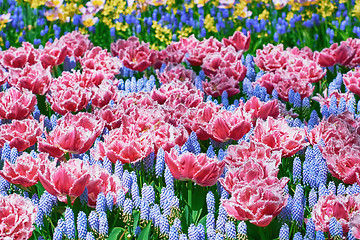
point(176, 92)
point(342, 126)
point(176, 72)
point(66, 95)
point(4, 76)
point(330, 206)
point(134, 55)
point(73, 134)
point(25, 171)
point(19, 57)
point(166, 136)
point(197, 119)
point(352, 81)
point(53, 54)
point(278, 135)
point(125, 144)
point(102, 94)
point(238, 40)
point(100, 60)
point(200, 169)
point(102, 181)
point(17, 217)
point(343, 160)
point(220, 83)
point(239, 154)
point(258, 202)
point(20, 134)
point(226, 61)
point(324, 99)
point(271, 58)
point(226, 125)
point(185, 44)
point(202, 49)
point(16, 104)
point(336, 54)
point(354, 224)
point(68, 179)
point(170, 55)
point(77, 44)
point(250, 171)
point(35, 78)
point(262, 110)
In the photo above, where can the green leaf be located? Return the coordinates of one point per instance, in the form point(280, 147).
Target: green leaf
point(198, 203)
point(114, 235)
point(136, 215)
point(185, 217)
point(145, 233)
point(40, 189)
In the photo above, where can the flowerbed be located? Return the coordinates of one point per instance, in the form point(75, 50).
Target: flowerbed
point(167, 120)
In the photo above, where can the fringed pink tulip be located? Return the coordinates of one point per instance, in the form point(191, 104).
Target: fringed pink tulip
point(238, 40)
point(278, 135)
point(20, 134)
point(330, 206)
point(17, 217)
point(336, 54)
point(53, 54)
point(343, 161)
point(125, 144)
point(354, 224)
point(176, 72)
point(226, 125)
point(262, 110)
point(72, 134)
point(271, 58)
point(102, 181)
point(102, 94)
point(352, 81)
point(200, 169)
point(67, 180)
point(66, 95)
point(134, 55)
point(4, 76)
point(197, 119)
point(16, 104)
point(202, 49)
point(77, 44)
point(35, 78)
point(177, 92)
point(100, 60)
point(220, 83)
point(25, 171)
point(258, 202)
point(239, 154)
point(19, 57)
point(166, 136)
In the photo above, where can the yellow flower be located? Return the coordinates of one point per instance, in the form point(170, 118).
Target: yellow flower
point(119, 26)
point(188, 6)
point(289, 16)
point(83, 30)
point(239, 10)
point(264, 15)
point(326, 8)
point(185, 32)
point(356, 10)
point(36, 3)
point(210, 24)
point(163, 34)
point(154, 47)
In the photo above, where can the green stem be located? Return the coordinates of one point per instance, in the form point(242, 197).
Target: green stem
point(190, 186)
point(262, 233)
